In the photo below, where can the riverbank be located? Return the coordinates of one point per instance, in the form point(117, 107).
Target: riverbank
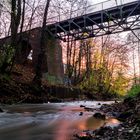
point(18, 88)
point(13, 92)
point(49, 121)
point(128, 112)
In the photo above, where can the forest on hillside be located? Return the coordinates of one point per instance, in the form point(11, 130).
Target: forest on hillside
point(107, 64)
point(69, 69)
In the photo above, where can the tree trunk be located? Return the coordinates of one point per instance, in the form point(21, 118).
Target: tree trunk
point(15, 21)
point(38, 76)
point(22, 21)
point(134, 66)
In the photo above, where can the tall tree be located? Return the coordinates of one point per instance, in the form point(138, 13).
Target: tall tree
point(22, 17)
point(38, 76)
point(15, 20)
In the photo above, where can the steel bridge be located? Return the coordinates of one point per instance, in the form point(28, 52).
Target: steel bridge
point(102, 21)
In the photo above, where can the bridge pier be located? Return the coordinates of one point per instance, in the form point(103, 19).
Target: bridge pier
point(53, 58)
point(52, 67)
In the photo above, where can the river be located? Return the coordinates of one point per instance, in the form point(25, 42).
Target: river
point(52, 121)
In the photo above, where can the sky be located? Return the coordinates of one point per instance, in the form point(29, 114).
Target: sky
point(96, 1)
point(114, 1)
point(123, 34)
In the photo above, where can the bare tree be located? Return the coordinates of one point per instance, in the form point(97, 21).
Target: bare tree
point(22, 18)
point(15, 20)
point(38, 76)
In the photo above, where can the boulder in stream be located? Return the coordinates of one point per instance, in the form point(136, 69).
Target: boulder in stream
point(1, 110)
point(99, 103)
point(99, 116)
point(123, 116)
point(81, 113)
point(82, 106)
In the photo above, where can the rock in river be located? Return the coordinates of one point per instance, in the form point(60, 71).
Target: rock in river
point(1, 110)
point(123, 116)
point(99, 116)
point(81, 113)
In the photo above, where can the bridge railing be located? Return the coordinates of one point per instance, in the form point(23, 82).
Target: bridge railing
point(87, 10)
point(79, 12)
point(72, 14)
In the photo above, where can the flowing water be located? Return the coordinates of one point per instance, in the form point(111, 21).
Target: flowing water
point(53, 121)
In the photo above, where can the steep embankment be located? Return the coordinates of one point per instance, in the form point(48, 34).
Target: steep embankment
point(18, 88)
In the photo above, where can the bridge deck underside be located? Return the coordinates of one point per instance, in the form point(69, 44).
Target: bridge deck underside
point(114, 20)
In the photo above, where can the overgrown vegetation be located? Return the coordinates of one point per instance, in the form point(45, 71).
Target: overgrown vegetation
point(96, 83)
point(134, 91)
point(107, 70)
point(97, 65)
point(6, 55)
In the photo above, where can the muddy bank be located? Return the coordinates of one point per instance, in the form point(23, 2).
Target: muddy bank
point(128, 112)
point(54, 121)
point(18, 88)
point(12, 92)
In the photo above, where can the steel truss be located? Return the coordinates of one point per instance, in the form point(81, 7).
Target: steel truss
point(109, 21)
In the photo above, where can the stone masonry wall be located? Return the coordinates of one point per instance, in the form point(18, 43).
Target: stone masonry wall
point(53, 58)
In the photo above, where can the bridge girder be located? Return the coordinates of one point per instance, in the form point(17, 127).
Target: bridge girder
point(109, 21)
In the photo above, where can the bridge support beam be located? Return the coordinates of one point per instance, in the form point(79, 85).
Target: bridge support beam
point(52, 67)
point(113, 20)
point(54, 62)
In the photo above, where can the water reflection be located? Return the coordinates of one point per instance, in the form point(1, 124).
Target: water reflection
point(47, 122)
point(112, 122)
point(90, 124)
point(65, 128)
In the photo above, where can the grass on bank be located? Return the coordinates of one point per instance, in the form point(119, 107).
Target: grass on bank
point(134, 91)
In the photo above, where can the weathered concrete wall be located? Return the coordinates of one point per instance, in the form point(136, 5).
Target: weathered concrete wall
point(54, 59)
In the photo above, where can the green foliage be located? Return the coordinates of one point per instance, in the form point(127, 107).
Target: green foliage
point(6, 55)
point(120, 84)
point(98, 82)
point(51, 79)
point(5, 77)
point(134, 91)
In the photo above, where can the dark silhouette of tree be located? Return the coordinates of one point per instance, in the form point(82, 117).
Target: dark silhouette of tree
point(15, 22)
point(38, 76)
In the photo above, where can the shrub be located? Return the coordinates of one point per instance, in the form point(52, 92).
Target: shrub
point(134, 91)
